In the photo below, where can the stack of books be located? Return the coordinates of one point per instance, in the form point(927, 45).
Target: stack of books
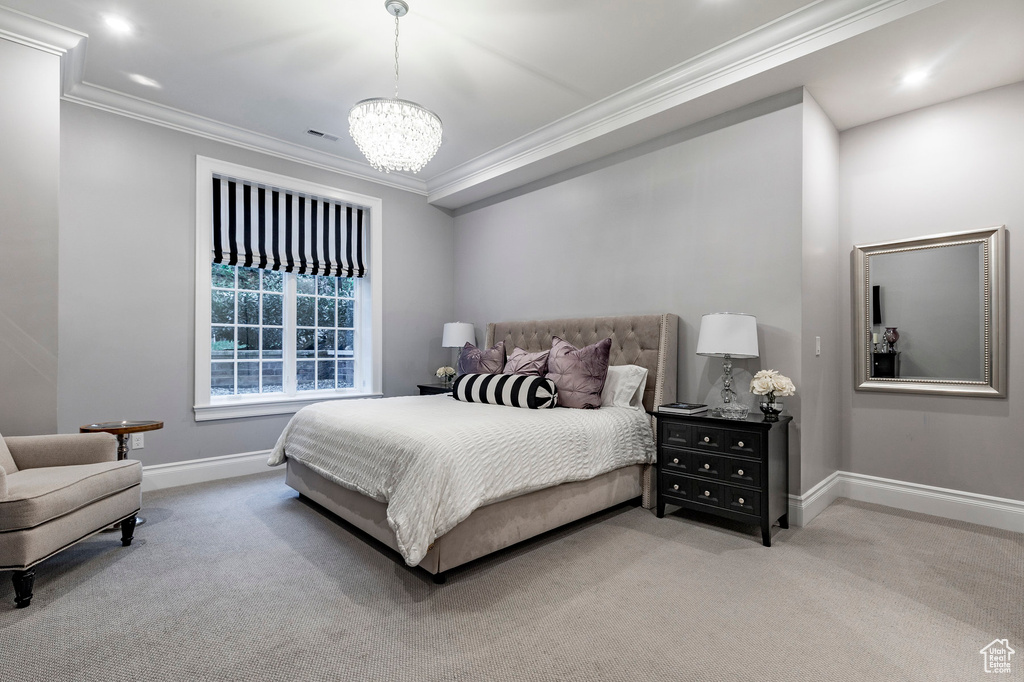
point(683, 408)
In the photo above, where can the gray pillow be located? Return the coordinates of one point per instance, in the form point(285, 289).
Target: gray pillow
point(579, 373)
point(473, 360)
point(531, 364)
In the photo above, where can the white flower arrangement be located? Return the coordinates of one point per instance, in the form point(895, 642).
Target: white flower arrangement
point(771, 384)
point(445, 373)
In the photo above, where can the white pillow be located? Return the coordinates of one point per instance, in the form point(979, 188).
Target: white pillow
point(624, 386)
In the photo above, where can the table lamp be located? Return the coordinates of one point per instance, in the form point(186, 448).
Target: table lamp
point(457, 335)
point(728, 336)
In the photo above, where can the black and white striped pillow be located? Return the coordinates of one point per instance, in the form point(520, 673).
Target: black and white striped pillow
point(513, 390)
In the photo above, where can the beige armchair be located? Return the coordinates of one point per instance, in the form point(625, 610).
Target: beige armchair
point(57, 490)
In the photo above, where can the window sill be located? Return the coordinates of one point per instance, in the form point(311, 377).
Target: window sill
point(264, 407)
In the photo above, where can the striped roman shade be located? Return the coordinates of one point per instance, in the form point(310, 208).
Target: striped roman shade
point(275, 229)
point(514, 390)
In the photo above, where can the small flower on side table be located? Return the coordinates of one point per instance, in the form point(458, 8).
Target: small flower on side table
point(445, 374)
point(772, 385)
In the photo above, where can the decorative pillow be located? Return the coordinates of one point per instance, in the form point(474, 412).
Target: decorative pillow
point(579, 373)
point(473, 360)
point(624, 386)
point(513, 390)
point(521, 362)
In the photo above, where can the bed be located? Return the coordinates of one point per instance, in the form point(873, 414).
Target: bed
point(646, 340)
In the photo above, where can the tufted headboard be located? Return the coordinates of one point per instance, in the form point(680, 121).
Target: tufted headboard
point(646, 340)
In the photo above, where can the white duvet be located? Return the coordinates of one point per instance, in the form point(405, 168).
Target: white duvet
point(434, 460)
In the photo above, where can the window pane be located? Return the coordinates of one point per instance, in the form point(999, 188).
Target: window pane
point(346, 342)
point(249, 278)
point(325, 286)
point(248, 344)
point(325, 343)
point(305, 371)
point(248, 307)
point(346, 313)
point(223, 276)
point(273, 281)
point(325, 312)
point(304, 343)
point(325, 374)
point(223, 343)
point(346, 286)
point(304, 311)
point(273, 377)
point(272, 347)
point(223, 307)
point(346, 374)
point(306, 284)
point(222, 378)
point(248, 377)
point(272, 309)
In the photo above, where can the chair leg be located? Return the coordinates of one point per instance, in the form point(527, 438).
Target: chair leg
point(128, 530)
point(23, 581)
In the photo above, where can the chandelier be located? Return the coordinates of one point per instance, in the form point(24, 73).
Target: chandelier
point(395, 134)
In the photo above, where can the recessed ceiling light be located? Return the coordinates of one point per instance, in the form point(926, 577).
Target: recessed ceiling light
point(916, 77)
point(143, 80)
point(117, 24)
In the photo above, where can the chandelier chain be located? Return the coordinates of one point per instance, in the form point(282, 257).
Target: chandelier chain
point(396, 56)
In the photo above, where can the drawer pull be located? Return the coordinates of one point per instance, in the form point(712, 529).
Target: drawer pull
point(707, 493)
point(740, 500)
point(707, 439)
point(739, 472)
point(675, 460)
point(675, 487)
point(707, 466)
point(740, 444)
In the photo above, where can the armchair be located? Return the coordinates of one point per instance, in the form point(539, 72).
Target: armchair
point(57, 490)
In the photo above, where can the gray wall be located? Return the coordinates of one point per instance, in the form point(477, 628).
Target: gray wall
point(951, 167)
point(29, 177)
point(707, 224)
point(127, 252)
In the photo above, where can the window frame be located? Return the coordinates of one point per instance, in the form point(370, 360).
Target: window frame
point(369, 306)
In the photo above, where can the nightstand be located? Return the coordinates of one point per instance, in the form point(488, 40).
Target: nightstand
point(734, 468)
point(433, 389)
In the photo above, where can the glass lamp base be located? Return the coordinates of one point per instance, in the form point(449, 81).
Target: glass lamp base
point(731, 411)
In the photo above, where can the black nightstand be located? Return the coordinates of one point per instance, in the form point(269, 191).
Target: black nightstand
point(734, 468)
point(433, 389)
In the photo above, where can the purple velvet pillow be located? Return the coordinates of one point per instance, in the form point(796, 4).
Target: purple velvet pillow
point(473, 360)
point(531, 364)
point(579, 373)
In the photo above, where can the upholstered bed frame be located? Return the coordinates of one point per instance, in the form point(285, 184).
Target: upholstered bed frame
point(646, 340)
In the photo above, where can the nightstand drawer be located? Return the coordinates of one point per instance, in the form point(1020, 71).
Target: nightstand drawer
point(675, 486)
point(742, 443)
point(741, 472)
point(707, 438)
point(706, 493)
point(677, 461)
point(742, 501)
point(675, 434)
point(708, 466)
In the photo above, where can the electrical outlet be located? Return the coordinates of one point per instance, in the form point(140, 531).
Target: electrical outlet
point(138, 441)
point(817, 348)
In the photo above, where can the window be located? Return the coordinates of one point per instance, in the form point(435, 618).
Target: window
point(273, 331)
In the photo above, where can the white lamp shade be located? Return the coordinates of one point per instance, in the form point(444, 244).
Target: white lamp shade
point(732, 334)
point(458, 334)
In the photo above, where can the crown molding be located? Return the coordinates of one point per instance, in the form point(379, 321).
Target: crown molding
point(788, 38)
point(42, 35)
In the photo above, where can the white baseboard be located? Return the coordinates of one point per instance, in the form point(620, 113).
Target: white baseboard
point(985, 510)
point(158, 476)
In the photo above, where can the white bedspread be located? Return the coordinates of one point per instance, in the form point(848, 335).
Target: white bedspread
point(434, 460)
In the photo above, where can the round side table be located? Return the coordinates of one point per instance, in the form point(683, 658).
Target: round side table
point(122, 429)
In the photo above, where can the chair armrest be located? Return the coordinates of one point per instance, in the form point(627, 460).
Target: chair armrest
point(33, 452)
point(3, 483)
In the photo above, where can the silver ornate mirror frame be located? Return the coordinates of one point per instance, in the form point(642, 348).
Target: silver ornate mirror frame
point(993, 384)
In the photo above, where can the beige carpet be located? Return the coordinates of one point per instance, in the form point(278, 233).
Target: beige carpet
point(239, 580)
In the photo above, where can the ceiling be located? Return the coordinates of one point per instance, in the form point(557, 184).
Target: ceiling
point(525, 89)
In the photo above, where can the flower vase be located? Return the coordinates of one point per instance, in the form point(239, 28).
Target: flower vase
point(771, 408)
point(891, 336)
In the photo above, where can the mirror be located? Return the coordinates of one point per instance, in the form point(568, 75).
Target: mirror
point(930, 314)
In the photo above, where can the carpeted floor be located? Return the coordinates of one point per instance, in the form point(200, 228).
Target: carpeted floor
point(240, 580)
